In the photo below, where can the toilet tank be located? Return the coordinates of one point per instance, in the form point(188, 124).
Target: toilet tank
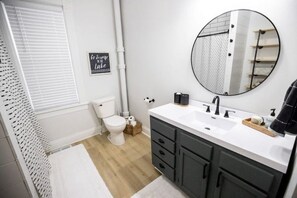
point(104, 107)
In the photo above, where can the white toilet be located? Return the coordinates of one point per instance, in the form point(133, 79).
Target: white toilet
point(105, 109)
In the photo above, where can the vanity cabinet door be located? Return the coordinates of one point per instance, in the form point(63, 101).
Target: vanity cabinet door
point(228, 185)
point(193, 173)
point(244, 169)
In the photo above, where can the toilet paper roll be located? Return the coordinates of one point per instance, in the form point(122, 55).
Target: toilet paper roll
point(133, 123)
point(131, 118)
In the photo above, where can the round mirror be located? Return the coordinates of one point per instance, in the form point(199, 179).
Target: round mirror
point(235, 52)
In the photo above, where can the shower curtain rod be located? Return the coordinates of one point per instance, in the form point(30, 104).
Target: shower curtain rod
point(206, 35)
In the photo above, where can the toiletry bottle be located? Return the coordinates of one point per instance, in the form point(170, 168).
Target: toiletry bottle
point(270, 118)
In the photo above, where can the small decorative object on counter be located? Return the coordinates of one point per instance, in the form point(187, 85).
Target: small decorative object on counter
point(184, 99)
point(258, 127)
point(257, 119)
point(177, 96)
point(133, 127)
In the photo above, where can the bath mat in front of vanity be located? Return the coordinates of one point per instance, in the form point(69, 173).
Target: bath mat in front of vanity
point(160, 187)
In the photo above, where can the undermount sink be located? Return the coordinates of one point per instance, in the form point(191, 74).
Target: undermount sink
point(208, 122)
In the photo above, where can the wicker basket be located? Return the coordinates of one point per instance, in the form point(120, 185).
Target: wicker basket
point(133, 130)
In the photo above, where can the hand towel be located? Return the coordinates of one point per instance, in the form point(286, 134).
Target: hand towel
point(287, 118)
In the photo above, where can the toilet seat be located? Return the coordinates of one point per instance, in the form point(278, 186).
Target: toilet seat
point(114, 121)
point(115, 125)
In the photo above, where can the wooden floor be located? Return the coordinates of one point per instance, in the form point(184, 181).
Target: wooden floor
point(125, 169)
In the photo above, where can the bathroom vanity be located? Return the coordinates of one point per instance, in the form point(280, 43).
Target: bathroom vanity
point(207, 155)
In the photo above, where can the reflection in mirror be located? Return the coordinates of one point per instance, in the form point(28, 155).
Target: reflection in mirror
point(235, 52)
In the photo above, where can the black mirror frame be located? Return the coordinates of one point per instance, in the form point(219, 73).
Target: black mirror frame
point(263, 79)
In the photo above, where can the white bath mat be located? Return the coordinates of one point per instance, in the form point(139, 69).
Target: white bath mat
point(73, 175)
point(160, 187)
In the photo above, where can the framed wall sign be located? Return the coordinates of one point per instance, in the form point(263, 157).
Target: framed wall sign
point(99, 63)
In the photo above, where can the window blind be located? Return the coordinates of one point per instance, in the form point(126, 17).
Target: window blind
point(42, 44)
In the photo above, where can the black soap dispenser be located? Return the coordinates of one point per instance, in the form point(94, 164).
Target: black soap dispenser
point(270, 118)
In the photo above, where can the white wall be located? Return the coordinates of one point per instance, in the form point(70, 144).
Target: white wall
point(90, 28)
point(158, 41)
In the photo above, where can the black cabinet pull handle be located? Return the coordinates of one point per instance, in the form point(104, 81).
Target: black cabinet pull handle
point(204, 171)
point(161, 141)
point(161, 152)
point(161, 166)
point(219, 179)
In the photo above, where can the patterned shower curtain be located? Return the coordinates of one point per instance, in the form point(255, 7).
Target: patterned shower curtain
point(28, 133)
point(210, 61)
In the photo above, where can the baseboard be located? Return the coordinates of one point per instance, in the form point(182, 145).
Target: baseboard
point(146, 131)
point(62, 142)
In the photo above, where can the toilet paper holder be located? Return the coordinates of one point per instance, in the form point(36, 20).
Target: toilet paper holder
point(148, 100)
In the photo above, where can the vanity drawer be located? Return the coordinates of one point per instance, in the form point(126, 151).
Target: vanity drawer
point(163, 154)
point(195, 145)
point(250, 173)
point(163, 167)
point(163, 128)
point(163, 141)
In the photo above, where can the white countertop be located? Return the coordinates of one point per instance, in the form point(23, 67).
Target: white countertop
point(273, 152)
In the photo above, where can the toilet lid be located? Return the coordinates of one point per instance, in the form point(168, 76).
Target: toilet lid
point(115, 120)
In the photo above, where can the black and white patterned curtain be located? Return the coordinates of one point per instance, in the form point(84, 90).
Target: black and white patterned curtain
point(29, 134)
point(210, 60)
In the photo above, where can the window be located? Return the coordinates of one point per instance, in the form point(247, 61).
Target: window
point(41, 40)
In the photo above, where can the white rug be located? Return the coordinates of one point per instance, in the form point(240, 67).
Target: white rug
point(73, 175)
point(160, 187)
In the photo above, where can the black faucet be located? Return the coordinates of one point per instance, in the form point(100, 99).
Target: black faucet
point(216, 98)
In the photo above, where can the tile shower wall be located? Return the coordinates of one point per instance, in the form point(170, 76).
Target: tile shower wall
point(11, 181)
point(242, 25)
point(219, 24)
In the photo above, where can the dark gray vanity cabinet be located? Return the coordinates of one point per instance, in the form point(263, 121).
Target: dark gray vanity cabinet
point(203, 169)
point(238, 175)
point(163, 138)
point(194, 164)
point(230, 186)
